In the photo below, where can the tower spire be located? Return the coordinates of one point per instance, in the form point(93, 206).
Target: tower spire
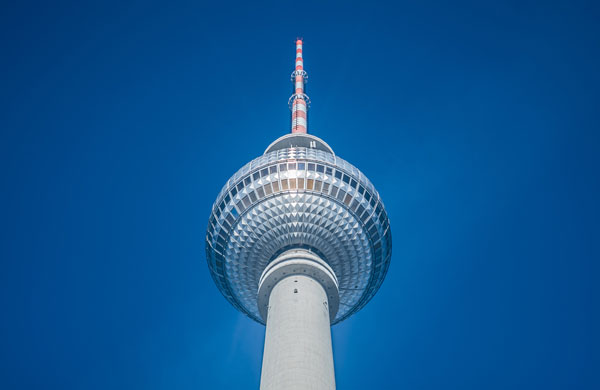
point(299, 101)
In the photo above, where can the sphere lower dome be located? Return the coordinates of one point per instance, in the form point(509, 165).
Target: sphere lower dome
point(298, 197)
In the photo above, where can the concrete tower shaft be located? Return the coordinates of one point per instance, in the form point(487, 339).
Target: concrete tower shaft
point(302, 293)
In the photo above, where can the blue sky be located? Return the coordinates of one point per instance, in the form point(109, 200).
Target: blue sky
point(477, 122)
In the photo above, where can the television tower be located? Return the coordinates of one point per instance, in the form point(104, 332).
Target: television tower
point(299, 240)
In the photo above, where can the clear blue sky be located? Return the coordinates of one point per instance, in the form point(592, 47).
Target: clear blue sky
point(477, 122)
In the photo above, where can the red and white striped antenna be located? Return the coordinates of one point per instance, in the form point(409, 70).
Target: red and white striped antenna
point(299, 101)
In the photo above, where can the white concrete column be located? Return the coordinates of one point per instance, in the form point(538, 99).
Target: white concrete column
point(298, 353)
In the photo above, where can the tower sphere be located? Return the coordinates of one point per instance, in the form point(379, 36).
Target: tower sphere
point(298, 195)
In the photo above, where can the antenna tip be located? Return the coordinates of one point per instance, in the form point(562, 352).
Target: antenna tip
point(298, 41)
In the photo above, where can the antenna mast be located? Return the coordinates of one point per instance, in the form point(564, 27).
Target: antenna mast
point(299, 101)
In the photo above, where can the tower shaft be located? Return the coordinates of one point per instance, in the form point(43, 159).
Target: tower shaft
point(298, 353)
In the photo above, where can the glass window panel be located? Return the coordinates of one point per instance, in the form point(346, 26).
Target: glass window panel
point(273, 169)
point(252, 196)
point(346, 179)
point(282, 167)
point(264, 172)
point(301, 184)
point(292, 166)
point(227, 198)
point(301, 166)
point(310, 184)
point(246, 201)
point(311, 167)
point(320, 168)
point(325, 187)
point(353, 183)
point(256, 176)
point(275, 186)
point(268, 190)
point(292, 184)
point(367, 196)
point(361, 210)
point(247, 180)
point(347, 199)
point(341, 195)
point(284, 184)
point(328, 171)
point(233, 192)
point(361, 190)
point(318, 184)
point(338, 175)
point(240, 186)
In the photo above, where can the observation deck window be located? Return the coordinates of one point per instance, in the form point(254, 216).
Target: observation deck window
point(320, 169)
point(311, 167)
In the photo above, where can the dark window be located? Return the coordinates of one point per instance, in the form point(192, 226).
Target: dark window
point(367, 196)
point(318, 184)
point(346, 179)
point(273, 169)
point(361, 210)
point(264, 172)
point(260, 192)
point(282, 167)
point(353, 183)
point(334, 190)
point(252, 196)
point(311, 167)
point(227, 198)
point(341, 195)
point(246, 201)
point(247, 180)
point(234, 212)
point(301, 166)
point(325, 187)
point(320, 168)
point(233, 192)
point(328, 171)
point(256, 175)
point(361, 190)
point(347, 199)
point(240, 186)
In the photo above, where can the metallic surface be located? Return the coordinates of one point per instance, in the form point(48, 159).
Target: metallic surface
point(298, 198)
